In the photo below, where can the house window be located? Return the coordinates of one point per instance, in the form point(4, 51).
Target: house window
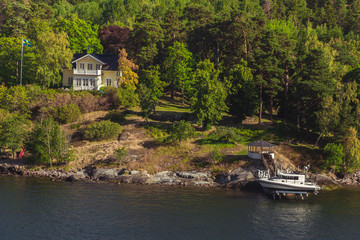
point(82, 66)
point(97, 66)
point(89, 66)
point(78, 82)
point(108, 82)
point(86, 82)
point(70, 81)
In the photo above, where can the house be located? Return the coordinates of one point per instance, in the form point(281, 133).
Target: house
point(92, 71)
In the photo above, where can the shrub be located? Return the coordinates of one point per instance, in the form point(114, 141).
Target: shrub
point(180, 131)
point(334, 156)
point(68, 113)
point(115, 116)
point(216, 155)
point(102, 130)
point(120, 153)
point(86, 101)
point(227, 134)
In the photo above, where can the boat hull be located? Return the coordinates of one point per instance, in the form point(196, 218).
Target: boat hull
point(276, 185)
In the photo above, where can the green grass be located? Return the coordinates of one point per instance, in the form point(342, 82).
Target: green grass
point(172, 106)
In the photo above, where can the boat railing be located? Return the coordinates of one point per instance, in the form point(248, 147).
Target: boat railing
point(263, 173)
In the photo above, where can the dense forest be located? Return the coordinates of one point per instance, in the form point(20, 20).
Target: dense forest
point(297, 60)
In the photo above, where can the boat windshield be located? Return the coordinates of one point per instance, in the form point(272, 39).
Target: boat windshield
point(289, 177)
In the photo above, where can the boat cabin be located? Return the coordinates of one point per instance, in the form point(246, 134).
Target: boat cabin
point(258, 148)
point(292, 178)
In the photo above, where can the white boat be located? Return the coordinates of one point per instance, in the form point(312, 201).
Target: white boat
point(289, 182)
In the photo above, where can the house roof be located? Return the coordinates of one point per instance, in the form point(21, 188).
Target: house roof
point(261, 143)
point(109, 61)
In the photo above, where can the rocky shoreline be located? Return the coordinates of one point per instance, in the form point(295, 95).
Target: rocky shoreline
point(240, 178)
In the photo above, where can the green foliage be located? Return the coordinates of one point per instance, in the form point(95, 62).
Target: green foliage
point(208, 94)
point(127, 97)
point(351, 145)
point(116, 116)
point(334, 156)
point(53, 55)
point(68, 113)
point(243, 98)
point(102, 130)
point(47, 142)
point(13, 131)
point(227, 134)
point(180, 131)
point(217, 155)
point(120, 153)
point(82, 35)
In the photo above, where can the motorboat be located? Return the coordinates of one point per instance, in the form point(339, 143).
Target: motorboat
point(289, 182)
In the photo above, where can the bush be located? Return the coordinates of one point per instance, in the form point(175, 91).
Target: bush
point(216, 155)
point(334, 156)
point(180, 131)
point(227, 134)
point(102, 130)
point(116, 116)
point(68, 113)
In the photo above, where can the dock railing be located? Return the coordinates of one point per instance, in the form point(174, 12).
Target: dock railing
point(263, 173)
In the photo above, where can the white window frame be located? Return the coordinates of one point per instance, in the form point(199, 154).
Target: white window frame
point(97, 66)
point(82, 66)
point(89, 66)
point(108, 82)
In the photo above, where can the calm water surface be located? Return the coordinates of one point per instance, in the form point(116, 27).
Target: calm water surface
point(40, 209)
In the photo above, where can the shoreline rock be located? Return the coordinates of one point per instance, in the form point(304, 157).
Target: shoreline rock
point(241, 178)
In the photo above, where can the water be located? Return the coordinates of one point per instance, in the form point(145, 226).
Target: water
point(39, 209)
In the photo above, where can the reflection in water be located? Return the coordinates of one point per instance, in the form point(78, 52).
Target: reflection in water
point(39, 209)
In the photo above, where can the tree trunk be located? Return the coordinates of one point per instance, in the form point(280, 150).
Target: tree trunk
point(182, 96)
point(286, 93)
point(260, 100)
point(318, 139)
point(217, 55)
point(298, 114)
point(172, 89)
point(271, 107)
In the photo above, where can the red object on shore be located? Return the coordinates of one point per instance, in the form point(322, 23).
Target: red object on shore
point(21, 154)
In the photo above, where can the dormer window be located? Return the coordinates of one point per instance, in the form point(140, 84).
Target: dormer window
point(97, 66)
point(82, 66)
point(90, 66)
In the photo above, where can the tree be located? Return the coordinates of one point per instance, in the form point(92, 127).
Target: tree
point(351, 146)
point(82, 35)
point(180, 131)
point(52, 54)
point(127, 68)
point(334, 156)
point(10, 57)
point(327, 117)
point(113, 38)
point(47, 142)
point(242, 98)
point(178, 66)
point(208, 94)
point(145, 40)
point(13, 132)
point(150, 90)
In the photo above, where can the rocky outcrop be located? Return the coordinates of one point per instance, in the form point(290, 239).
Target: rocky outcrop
point(322, 179)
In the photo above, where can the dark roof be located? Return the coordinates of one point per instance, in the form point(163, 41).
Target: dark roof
point(261, 143)
point(110, 60)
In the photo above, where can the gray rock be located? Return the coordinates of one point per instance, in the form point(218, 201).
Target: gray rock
point(193, 175)
point(104, 174)
point(134, 172)
point(165, 177)
point(322, 179)
point(222, 178)
point(241, 174)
